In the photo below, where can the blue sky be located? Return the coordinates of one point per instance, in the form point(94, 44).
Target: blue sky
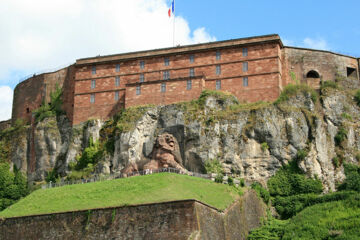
point(42, 35)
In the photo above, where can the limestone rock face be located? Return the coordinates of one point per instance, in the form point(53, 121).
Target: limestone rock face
point(252, 143)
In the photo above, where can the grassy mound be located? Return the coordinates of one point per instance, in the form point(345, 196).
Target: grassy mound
point(128, 191)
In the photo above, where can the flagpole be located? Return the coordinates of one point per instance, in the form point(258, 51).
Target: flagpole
point(174, 25)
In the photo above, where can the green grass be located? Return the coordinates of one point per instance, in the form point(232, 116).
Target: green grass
point(127, 191)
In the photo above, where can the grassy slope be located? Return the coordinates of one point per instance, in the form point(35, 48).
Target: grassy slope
point(128, 191)
point(332, 220)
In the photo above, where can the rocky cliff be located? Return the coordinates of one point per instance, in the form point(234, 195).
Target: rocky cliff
point(252, 141)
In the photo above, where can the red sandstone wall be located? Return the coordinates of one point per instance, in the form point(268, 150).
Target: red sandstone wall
point(68, 92)
point(327, 64)
point(263, 73)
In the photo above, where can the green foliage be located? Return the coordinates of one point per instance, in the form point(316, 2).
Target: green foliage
point(301, 155)
point(328, 220)
point(13, 185)
point(126, 120)
point(293, 89)
point(230, 181)
point(272, 229)
point(289, 206)
point(346, 116)
point(293, 78)
point(357, 97)
point(242, 182)
point(214, 166)
point(261, 191)
point(125, 191)
point(329, 84)
point(222, 96)
point(336, 162)
point(357, 157)
point(290, 180)
point(340, 136)
point(219, 178)
point(264, 146)
point(52, 109)
point(352, 181)
point(90, 155)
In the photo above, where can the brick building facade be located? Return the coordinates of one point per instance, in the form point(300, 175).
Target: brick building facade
point(252, 69)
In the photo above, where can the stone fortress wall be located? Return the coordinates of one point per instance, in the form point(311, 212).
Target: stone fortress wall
point(252, 69)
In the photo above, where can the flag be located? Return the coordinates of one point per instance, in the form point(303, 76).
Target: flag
point(172, 8)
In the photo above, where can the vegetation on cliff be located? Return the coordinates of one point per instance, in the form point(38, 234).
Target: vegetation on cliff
point(127, 191)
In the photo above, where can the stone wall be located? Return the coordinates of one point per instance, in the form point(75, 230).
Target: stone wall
point(330, 66)
point(187, 219)
point(5, 124)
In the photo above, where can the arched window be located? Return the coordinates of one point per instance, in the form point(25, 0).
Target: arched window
point(312, 74)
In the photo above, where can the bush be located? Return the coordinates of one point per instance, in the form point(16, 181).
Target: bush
point(264, 146)
point(261, 191)
point(357, 97)
point(352, 181)
point(52, 109)
point(214, 166)
point(242, 182)
point(301, 155)
point(340, 136)
point(291, 205)
point(293, 89)
point(91, 155)
point(336, 162)
point(13, 185)
point(272, 229)
point(290, 180)
point(328, 84)
point(219, 178)
point(230, 181)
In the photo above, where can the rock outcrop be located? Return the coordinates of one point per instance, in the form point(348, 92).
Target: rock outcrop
point(252, 141)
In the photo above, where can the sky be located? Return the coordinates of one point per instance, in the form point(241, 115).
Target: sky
point(44, 35)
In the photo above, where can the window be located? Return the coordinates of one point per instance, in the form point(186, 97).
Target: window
point(142, 78)
point(245, 66)
point(166, 75)
point(244, 52)
point(117, 67)
point(351, 72)
point(27, 110)
point(218, 84)
point(138, 90)
point(93, 84)
point(218, 55)
point(93, 70)
point(142, 64)
point(117, 81)
point(218, 70)
point(188, 84)
point(116, 95)
point(192, 72)
point(92, 98)
point(166, 61)
point(245, 81)
point(163, 87)
point(192, 58)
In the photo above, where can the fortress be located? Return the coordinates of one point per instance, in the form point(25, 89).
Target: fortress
point(252, 69)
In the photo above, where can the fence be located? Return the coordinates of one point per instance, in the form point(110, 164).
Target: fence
point(123, 175)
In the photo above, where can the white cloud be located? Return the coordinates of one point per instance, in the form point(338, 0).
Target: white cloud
point(43, 34)
point(6, 98)
point(288, 42)
point(316, 43)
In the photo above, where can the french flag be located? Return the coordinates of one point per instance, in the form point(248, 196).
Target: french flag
point(172, 8)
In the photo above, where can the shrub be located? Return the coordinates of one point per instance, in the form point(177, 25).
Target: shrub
point(357, 97)
point(219, 178)
point(13, 185)
point(214, 166)
point(264, 146)
point(261, 191)
point(340, 136)
point(293, 89)
point(301, 155)
point(328, 84)
point(91, 155)
point(336, 162)
point(352, 181)
point(290, 180)
point(230, 181)
point(242, 182)
point(272, 229)
point(52, 176)
point(291, 205)
point(52, 109)
point(346, 116)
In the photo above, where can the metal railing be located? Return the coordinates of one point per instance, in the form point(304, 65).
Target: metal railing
point(124, 175)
